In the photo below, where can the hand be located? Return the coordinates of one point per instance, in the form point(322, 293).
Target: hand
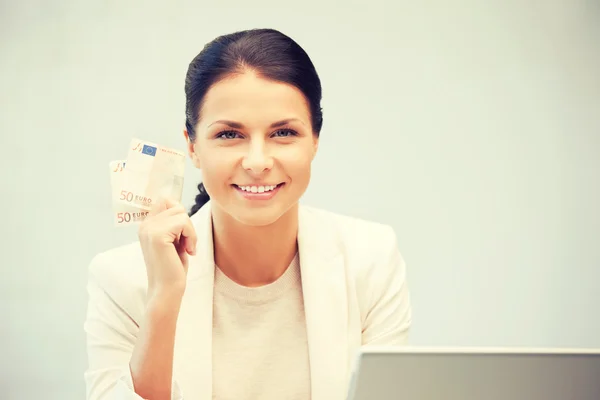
point(167, 236)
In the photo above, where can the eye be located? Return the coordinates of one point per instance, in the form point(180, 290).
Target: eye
point(228, 135)
point(284, 133)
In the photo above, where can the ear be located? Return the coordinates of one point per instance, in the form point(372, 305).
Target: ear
point(191, 148)
point(315, 146)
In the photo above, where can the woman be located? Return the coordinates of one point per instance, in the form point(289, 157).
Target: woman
point(253, 296)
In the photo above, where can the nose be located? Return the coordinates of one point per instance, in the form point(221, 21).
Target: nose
point(257, 160)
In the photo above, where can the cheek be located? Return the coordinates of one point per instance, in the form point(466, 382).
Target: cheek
point(297, 164)
point(217, 167)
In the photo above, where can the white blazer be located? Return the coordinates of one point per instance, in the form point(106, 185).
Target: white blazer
point(354, 288)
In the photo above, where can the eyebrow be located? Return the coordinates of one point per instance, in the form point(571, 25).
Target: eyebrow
point(237, 125)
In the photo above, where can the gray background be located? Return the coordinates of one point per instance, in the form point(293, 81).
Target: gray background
point(472, 127)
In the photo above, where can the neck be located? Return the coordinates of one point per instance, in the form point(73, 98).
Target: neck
point(254, 255)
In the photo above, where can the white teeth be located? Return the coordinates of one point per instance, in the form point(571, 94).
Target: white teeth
point(257, 189)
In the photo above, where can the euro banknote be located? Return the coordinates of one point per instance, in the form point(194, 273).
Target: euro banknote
point(123, 214)
point(152, 172)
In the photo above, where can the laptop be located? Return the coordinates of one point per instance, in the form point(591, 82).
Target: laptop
point(386, 373)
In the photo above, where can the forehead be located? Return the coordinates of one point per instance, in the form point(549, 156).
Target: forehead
point(253, 100)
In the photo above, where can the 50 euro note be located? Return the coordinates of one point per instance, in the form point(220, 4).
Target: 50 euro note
point(152, 172)
point(123, 214)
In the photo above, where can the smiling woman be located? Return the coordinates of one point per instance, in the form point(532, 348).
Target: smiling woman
point(252, 131)
point(258, 94)
point(250, 295)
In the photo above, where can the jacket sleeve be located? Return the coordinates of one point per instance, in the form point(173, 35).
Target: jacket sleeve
point(111, 333)
point(388, 315)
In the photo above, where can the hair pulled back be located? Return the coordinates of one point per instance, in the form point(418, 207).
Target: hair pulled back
point(270, 54)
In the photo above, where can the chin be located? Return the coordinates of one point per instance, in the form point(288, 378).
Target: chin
point(259, 216)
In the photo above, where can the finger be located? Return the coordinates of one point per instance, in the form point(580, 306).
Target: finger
point(180, 247)
point(170, 203)
point(183, 256)
point(183, 230)
point(174, 210)
point(188, 232)
point(186, 246)
point(157, 208)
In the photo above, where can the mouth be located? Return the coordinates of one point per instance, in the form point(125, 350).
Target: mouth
point(258, 192)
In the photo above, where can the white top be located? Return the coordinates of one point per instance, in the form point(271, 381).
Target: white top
point(354, 291)
point(260, 349)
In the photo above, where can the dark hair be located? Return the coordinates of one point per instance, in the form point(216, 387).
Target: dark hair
point(267, 52)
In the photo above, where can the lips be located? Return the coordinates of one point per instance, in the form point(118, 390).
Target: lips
point(257, 188)
point(258, 192)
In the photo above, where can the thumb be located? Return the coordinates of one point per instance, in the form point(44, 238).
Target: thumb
point(170, 203)
point(158, 207)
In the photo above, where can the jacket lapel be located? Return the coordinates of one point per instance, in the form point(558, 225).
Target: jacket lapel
point(192, 361)
point(325, 303)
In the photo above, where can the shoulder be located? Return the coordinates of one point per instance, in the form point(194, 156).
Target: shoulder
point(121, 274)
point(124, 263)
point(349, 231)
point(375, 272)
point(367, 246)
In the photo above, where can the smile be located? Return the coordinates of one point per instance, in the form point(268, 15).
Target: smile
point(257, 189)
point(258, 192)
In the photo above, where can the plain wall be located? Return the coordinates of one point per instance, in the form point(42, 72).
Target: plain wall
point(471, 127)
